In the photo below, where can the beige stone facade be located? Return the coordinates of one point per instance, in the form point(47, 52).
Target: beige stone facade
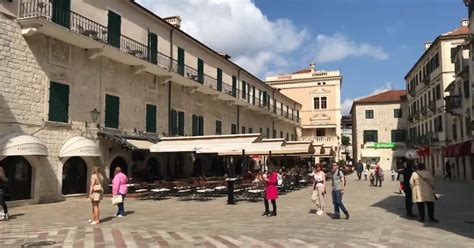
point(36, 51)
point(426, 82)
point(319, 93)
point(383, 123)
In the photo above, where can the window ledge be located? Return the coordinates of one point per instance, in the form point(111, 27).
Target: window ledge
point(57, 124)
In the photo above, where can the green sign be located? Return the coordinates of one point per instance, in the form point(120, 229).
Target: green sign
point(382, 146)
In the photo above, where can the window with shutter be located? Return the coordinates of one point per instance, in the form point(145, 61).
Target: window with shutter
point(233, 129)
point(219, 79)
point(180, 61)
point(253, 94)
point(152, 48)
point(250, 130)
point(201, 125)
point(181, 123)
point(195, 126)
point(58, 102)
point(243, 129)
point(268, 132)
point(173, 123)
point(200, 71)
point(114, 29)
point(244, 90)
point(234, 86)
point(61, 13)
point(150, 118)
point(218, 127)
point(370, 136)
point(112, 107)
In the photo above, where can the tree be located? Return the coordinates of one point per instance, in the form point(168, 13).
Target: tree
point(345, 140)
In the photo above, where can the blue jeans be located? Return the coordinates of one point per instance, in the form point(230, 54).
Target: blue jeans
point(337, 201)
point(121, 207)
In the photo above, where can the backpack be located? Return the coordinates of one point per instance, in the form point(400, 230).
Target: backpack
point(341, 175)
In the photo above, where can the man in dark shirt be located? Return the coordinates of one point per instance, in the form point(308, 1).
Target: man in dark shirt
point(448, 170)
point(407, 172)
point(359, 169)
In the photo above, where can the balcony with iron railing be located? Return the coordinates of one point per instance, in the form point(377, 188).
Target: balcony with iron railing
point(453, 103)
point(93, 36)
point(426, 80)
point(412, 91)
point(432, 106)
point(320, 139)
point(424, 110)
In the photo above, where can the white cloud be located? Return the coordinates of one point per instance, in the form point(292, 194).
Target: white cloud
point(338, 47)
point(236, 27)
point(346, 105)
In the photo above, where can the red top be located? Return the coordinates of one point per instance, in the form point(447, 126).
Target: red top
point(271, 189)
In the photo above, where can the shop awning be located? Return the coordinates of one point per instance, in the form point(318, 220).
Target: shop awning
point(264, 147)
point(458, 150)
point(134, 141)
point(204, 144)
point(296, 148)
point(80, 147)
point(399, 152)
point(17, 144)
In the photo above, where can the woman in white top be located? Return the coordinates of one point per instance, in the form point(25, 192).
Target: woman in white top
point(319, 188)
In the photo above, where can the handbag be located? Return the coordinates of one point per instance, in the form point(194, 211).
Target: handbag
point(117, 199)
point(97, 187)
point(432, 189)
point(314, 196)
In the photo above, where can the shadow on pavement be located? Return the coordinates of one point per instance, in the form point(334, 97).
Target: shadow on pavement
point(106, 219)
point(14, 216)
point(454, 209)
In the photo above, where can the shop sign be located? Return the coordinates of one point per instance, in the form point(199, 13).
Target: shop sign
point(382, 146)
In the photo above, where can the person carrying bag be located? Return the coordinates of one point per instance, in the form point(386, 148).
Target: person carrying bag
point(421, 183)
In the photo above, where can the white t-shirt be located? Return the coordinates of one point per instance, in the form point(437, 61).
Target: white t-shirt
point(318, 177)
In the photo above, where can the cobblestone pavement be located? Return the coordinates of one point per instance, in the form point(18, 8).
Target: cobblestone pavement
point(375, 222)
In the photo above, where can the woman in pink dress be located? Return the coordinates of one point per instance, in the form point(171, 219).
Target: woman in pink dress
point(119, 187)
point(271, 192)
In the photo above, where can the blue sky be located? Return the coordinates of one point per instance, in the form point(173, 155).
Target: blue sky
point(372, 42)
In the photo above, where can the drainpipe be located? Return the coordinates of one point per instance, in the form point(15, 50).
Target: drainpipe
point(169, 83)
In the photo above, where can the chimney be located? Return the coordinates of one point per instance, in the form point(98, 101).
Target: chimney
point(427, 45)
point(464, 22)
point(174, 20)
point(311, 66)
point(224, 55)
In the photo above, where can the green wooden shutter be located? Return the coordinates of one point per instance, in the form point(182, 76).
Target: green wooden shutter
point(234, 86)
point(152, 48)
point(244, 90)
point(218, 127)
point(181, 123)
point(112, 108)
point(233, 129)
point(201, 125)
point(200, 71)
point(219, 79)
point(58, 102)
point(195, 125)
point(114, 29)
point(61, 13)
point(264, 98)
point(180, 61)
point(173, 122)
point(253, 95)
point(151, 118)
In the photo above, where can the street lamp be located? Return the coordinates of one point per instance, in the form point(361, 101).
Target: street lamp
point(94, 114)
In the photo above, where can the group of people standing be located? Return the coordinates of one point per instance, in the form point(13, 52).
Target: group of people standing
point(372, 170)
point(418, 185)
point(96, 192)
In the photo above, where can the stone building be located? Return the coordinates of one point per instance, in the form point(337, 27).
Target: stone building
point(379, 129)
point(426, 84)
point(87, 83)
point(346, 131)
point(319, 93)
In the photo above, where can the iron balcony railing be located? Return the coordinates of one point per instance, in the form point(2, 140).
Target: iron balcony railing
point(453, 103)
point(424, 110)
point(412, 91)
point(89, 28)
point(432, 106)
point(84, 26)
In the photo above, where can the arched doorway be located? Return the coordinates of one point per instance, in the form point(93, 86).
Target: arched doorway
point(118, 162)
point(18, 171)
point(74, 176)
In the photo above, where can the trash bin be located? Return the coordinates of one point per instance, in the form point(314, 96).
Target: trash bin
point(230, 190)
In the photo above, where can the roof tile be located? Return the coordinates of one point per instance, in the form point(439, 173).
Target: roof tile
point(386, 96)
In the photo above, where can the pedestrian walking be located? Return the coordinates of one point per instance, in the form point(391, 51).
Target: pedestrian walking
point(3, 189)
point(271, 192)
point(422, 184)
point(407, 172)
point(119, 188)
point(359, 169)
point(96, 193)
point(448, 171)
point(366, 173)
point(338, 183)
point(378, 175)
point(400, 179)
point(319, 188)
point(393, 173)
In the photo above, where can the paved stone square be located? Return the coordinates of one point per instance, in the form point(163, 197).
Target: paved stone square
point(375, 222)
